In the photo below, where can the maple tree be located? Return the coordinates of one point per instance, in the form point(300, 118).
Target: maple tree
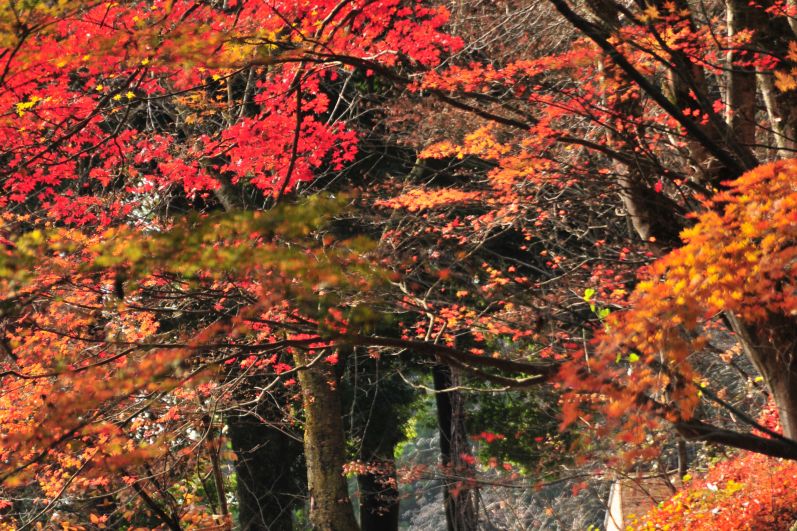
point(645, 81)
point(734, 264)
point(118, 331)
point(651, 105)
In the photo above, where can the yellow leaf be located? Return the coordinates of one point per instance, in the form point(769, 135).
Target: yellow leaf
point(785, 82)
point(650, 13)
point(792, 55)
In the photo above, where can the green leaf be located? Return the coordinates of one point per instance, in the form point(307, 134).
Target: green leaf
point(633, 357)
point(588, 294)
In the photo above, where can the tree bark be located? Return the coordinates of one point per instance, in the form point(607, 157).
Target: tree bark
point(379, 409)
point(324, 449)
point(267, 463)
point(459, 497)
point(683, 458)
point(740, 103)
point(772, 347)
point(792, 4)
point(652, 214)
point(784, 145)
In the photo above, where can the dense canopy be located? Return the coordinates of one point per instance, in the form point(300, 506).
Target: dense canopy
point(396, 264)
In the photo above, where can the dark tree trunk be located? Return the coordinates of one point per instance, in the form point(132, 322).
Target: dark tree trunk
point(266, 470)
point(742, 86)
point(683, 458)
point(459, 496)
point(379, 404)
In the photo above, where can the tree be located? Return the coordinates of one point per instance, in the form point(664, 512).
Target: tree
point(663, 114)
point(736, 264)
point(106, 150)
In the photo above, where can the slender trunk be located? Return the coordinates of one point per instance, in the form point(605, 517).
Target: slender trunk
point(740, 103)
point(775, 115)
point(689, 89)
point(379, 408)
point(776, 33)
point(683, 458)
point(652, 214)
point(214, 444)
point(792, 5)
point(459, 495)
point(324, 449)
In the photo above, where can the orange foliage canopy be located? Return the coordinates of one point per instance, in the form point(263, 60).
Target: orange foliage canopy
point(739, 258)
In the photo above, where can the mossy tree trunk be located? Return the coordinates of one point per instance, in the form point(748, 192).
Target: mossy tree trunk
point(324, 448)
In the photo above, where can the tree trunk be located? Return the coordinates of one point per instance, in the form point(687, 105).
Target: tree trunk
point(689, 89)
point(772, 347)
point(683, 458)
point(324, 449)
point(266, 474)
point(379, 405)
point(792, 4)
point(459, 496)
point(652, 214)
point(740, 103)
point(775, 114)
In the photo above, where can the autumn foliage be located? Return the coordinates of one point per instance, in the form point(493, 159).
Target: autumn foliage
point(749, 491)
point(746, 491)
point(218, 219)
point(737, 259)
